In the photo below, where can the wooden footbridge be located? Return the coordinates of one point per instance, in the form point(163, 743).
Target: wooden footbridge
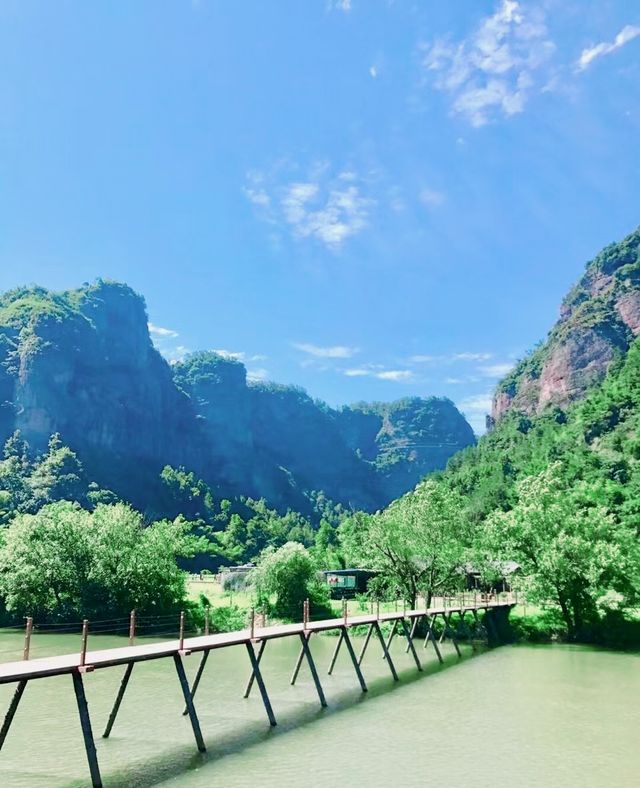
point(254, 639)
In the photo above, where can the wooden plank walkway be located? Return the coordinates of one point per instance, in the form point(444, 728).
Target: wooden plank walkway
point(77, 664)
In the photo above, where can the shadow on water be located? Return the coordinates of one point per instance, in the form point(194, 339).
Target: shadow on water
point(177, 761)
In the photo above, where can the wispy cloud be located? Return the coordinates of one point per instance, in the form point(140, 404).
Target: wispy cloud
point(174, 354)
point(496, 370)
point(493, 72)
point(256, 375)
point(159, 331)
point(339, 5)
point(450, 358)
point(475, 408)
point(431, 198)
point(374, 371)
point(327, 207)
point(239, 355)
point(628, 33)
point(334, 351)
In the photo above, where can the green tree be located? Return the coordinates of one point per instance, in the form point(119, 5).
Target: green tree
point(64, 562)
point(418, 544)
point(571, 549)
point(290, 574)
point(59, 475)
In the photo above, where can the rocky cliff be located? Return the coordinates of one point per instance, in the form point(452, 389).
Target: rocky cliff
point(599, 319)
point(81, 363)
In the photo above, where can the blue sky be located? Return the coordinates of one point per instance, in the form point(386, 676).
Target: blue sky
point(368, 198)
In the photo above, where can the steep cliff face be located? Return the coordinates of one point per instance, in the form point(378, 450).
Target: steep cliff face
point(82, 364)
point(599, 319)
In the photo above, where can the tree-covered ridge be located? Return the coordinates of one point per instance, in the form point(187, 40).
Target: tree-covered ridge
point(599, 319)
point(81, 364)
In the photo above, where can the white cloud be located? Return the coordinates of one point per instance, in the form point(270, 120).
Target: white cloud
point(471, 356)
point(257, 374)
point(450, 359)
point(335, 351)
point(477, 403)
point(330, 218)
point(628, 33)
point(431, 198)
point(492, 72)
point(373, 72)
point(239, 355)
point(258, 197)
point(175, 354)
point(339, 5)
point(357, 373)
point(165, 333)
point(395, 374)
point(373, 371)
point(325, 206)
point(496, 370)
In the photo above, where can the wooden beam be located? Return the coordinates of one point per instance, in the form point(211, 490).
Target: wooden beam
point(405, 629)
point(196, 681)
point(453, 637)
point(414, 624)
point(431, 636)
point(298, 665)
point(354, 659)
point(336, 651)
point(261, 686)
point(119, 697)
point(394, 629)
point(188, 699)
point(385, 651)
point(247, 692)
point(312, 667)
point(87, 734)
point(11, 712)
point(365, 645)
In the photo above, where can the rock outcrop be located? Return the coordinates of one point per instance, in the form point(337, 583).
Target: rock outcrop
point(599, 319)
point(82, 364)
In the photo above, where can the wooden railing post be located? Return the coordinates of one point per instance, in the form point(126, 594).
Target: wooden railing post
point(377, 609)
point(253, 622)
point(181, 636)
point(344, 610)
point(27, 638)
point(206, 620)
point(132, 627)
point(305, 614)
point(85, 637)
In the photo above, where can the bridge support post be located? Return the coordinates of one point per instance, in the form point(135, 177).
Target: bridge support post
point(196, 680)
point(336, 651)
point(385, 651)
point(354, 659)
point(87, 733)
point(453, 637)
point(188, 699)
point(249, 687)
point(11, 712)
point(407, 634)
point(394, 629)
point(298, 665)
point(414, 625)
point(431, 636)
point(261, 685)
point(365, 645)
point(312, 667)
point(118, 701)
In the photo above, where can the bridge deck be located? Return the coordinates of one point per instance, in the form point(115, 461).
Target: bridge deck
point(68, 663)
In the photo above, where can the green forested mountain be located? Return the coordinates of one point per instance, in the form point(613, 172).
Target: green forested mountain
point(80, 364)
point(599, 319)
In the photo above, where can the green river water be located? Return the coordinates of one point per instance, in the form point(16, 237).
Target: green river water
point(548, 716)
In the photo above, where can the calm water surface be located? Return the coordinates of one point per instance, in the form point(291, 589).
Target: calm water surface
point(517, 716)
